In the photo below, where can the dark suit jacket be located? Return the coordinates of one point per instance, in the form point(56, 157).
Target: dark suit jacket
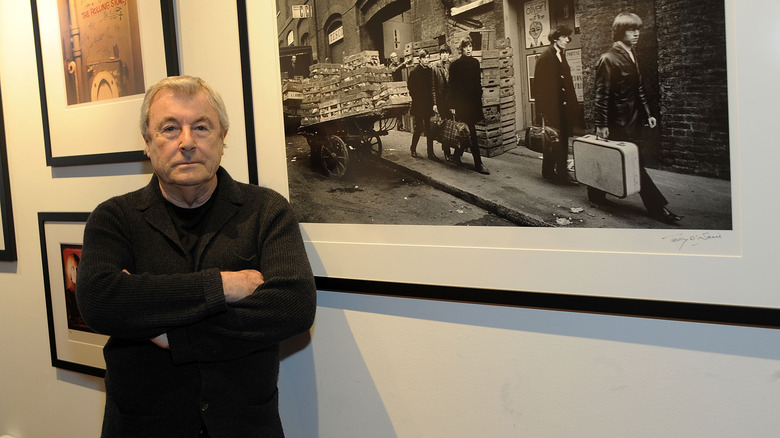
point(466, 89)
point(223, 361)
point(420, 85)
point(441, 89)
point(556, 99)
point(620, 100)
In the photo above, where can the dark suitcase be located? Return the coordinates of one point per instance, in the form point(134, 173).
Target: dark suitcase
point(610, 166)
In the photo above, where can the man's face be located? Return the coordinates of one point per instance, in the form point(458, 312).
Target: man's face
point(445, 57)
point(466, 50)
point(424, 58)
point(186, 139)
point(562, 41)
point(631, 37)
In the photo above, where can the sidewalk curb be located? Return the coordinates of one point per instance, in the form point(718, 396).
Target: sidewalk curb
point(515, 216)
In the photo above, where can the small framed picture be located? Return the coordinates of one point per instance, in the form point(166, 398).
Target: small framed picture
point(74, 346)
point(95, 61)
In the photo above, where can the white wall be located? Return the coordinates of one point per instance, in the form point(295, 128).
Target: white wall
point(384, 366)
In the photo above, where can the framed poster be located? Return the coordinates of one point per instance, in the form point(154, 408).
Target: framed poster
point(73, 345)
point(537, 21)
point(95, 61)
point(694, 270)
point(7, 235)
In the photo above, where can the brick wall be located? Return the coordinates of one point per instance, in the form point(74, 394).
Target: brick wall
point(682, 56)
point(692, 78)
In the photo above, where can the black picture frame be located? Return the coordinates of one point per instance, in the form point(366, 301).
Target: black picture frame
point(71, 349)
point(8, 250)
point(348, 259)
point(246, 77)
point(168, 49)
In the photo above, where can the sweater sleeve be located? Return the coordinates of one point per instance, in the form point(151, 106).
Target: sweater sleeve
point(130, 305)
point(283, 306)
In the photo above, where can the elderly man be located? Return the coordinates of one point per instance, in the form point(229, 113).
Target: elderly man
point(196, 278)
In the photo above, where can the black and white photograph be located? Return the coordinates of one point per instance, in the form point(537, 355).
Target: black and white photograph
point(541, 113)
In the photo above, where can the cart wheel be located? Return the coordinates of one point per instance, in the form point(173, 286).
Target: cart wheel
point(334, 157)
point(374, 145)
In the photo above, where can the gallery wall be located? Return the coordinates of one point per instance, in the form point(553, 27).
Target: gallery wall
point(384, 366)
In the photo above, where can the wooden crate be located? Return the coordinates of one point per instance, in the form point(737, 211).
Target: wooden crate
point(490, 54)
point(491, 63)
point(490, 80)
point(490, 96)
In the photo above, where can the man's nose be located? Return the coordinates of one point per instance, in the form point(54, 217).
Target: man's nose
point(186, 139)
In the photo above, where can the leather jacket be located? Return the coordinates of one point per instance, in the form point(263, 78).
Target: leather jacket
point(620, 99)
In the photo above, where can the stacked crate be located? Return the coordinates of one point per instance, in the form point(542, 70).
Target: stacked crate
point(507, 98)
point(413, 48)
point(360, 84)
point(497, 133)
point(319, 91)
point(292, 98)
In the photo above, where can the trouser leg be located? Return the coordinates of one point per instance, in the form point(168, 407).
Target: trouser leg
point(416, 133)
point(561, 158)
point(474, 145)
point(652, 197)
point(428, 136)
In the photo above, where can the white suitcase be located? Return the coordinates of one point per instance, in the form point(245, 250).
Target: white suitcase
point(610, 166)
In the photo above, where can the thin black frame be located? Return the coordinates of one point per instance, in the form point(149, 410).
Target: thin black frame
point(172, 68)
point(8, 251)
point(56, 361)
point(643, 308)
point(246, 78)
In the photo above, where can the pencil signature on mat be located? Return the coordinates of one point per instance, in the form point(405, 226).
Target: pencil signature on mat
point(694, 239)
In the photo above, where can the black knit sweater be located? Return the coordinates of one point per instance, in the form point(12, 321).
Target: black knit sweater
point(222, 365)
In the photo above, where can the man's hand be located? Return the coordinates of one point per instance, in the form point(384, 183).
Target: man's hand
point(602, 132)
point(239, 284)
point(162, 341)
point(651, 122)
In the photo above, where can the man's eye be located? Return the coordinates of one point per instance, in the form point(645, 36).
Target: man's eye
point(202, 130)
point(169, 131)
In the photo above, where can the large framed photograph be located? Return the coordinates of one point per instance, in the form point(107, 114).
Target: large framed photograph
point(7, 235)
point(389, 222)
point(95, 60)
point(73, 345)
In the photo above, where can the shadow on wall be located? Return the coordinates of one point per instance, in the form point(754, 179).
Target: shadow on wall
point(340, 370)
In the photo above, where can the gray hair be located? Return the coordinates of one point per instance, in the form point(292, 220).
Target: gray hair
point(187, 86)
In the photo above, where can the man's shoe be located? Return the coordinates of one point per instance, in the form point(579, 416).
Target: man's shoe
point(482, 169)
point(456, 160)
point(600, 200)
point(666, 216)
point(433, 158)
point(567, 180)
point(414, 154)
